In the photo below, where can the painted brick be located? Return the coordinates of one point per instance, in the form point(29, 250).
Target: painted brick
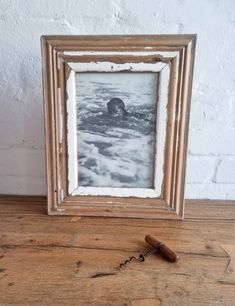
point(226, 171)
point(22, 185)
point(210, 191)
point(212, 141)
point(200, 169)
point(230, 194)
point(22, 162)
point(212, 126)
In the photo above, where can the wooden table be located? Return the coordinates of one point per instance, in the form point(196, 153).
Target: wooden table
point(70, 260)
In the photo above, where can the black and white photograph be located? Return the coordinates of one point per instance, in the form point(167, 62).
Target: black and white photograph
point(116, 128)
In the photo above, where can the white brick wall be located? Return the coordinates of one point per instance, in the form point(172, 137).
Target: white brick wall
point(225, 173)
point(211, 159)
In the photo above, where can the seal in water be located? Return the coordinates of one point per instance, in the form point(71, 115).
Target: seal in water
point(116, 108)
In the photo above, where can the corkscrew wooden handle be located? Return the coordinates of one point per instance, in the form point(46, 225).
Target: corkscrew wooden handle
point(166, 252)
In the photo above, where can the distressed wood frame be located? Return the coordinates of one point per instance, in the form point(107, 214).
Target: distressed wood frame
point(173, 51)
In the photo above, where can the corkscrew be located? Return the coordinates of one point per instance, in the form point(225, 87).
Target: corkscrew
point(158, 247)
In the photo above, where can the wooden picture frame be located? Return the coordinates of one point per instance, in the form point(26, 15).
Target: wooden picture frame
point(65, 58)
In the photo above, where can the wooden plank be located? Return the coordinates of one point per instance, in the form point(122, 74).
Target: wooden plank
point(48, 260)
point(229, 276)
point(146, 302)
point(209, 209)
point(5, 198)
point(92, 233)
point(194, 209)
point(50, 276)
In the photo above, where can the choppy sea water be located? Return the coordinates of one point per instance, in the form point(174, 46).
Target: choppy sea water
point(116, 151)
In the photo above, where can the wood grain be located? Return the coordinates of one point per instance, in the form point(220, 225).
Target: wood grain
point(66, 260)
point(146, 302)
point(170, 204)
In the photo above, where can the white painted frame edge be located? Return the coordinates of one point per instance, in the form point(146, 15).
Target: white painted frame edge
point(164, 70)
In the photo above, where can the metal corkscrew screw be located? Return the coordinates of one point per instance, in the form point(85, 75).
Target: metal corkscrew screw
point(158, 247)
